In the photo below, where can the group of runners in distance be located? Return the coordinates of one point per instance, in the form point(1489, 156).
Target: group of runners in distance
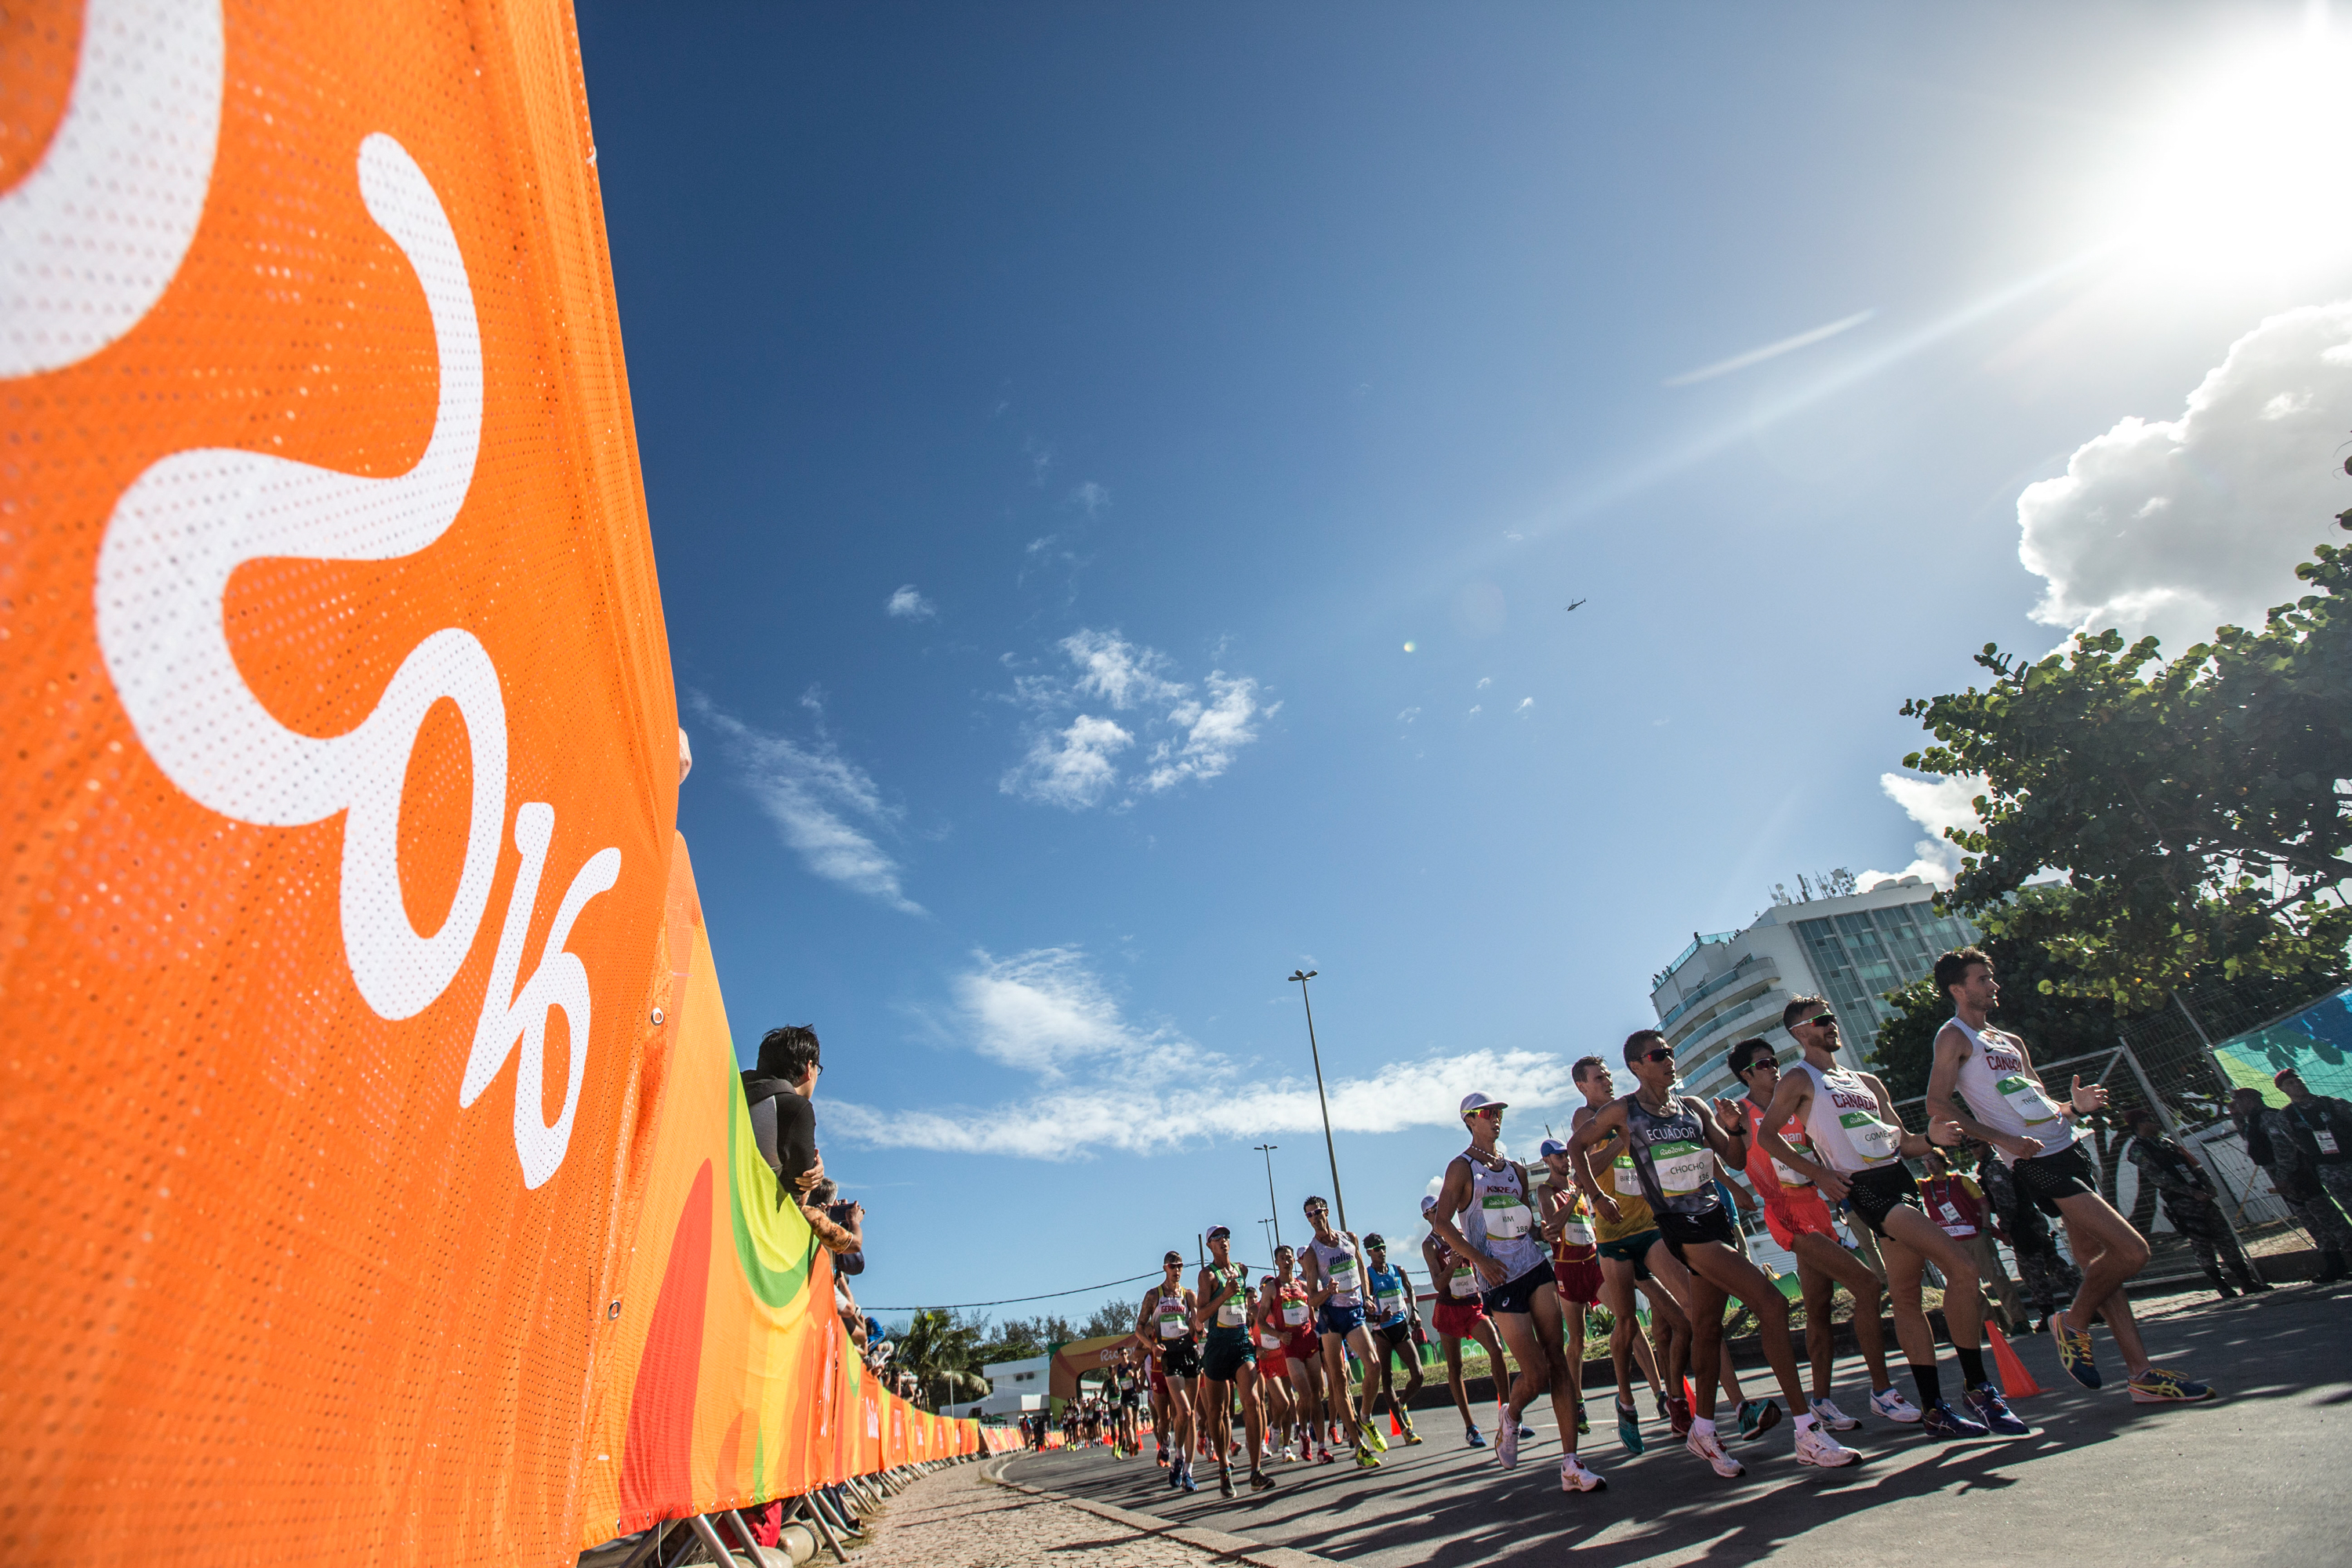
point(1636, 1200)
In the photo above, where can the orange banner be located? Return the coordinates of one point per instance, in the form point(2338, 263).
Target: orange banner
point(366, 1197)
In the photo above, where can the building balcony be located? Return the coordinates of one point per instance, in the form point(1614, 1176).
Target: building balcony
point(1721, 999)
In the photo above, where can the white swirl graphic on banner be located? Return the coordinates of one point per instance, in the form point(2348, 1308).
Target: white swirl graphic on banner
point(93, 236)
point(177, 536)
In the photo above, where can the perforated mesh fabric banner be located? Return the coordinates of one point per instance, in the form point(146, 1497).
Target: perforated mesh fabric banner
point(344, 888)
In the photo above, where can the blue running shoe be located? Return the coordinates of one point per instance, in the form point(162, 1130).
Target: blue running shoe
point(1471, 1435)
point(2075, 1352)
point(1991, 1409)
point(1940, 1420)
point(1629, 1428)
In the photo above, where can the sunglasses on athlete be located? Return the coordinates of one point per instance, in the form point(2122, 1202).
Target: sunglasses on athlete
point(1823, 1020)
point(1659, 1054)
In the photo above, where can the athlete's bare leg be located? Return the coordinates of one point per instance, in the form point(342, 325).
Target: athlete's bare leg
point(1534, 1337)
point(2109, 1252)
point(1821, 1266)
point(1717, 1273)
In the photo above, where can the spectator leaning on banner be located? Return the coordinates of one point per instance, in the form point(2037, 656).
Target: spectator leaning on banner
point(783, 1121)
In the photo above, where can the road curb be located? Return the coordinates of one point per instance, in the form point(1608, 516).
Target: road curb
point(1237, 1548)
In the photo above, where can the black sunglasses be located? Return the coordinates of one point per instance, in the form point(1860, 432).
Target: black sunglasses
point(1659, 1054)
point(1824, 1020)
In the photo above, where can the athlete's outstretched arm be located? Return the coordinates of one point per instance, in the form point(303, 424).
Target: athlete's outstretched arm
point(1790, 1102)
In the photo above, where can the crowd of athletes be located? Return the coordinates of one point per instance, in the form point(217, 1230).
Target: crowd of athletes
point(1638, 1202)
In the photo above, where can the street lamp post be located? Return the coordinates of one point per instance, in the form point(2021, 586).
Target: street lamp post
point(1271, 1206)
point(1302, 976)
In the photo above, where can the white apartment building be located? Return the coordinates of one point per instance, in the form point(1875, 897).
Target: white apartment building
point(1723, 988)
point(1014, 1388)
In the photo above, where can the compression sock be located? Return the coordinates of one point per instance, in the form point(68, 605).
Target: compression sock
point(1972, 1375)
point(1931, 1387)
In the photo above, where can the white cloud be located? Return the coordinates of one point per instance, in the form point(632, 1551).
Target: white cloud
point(2178, 526)
point(907, 605)
point(1108, 1084)
point(1091, 496)
point(1525, 703)
point(1070, 764)
point(810, 792)
point(1485, 681)
point(1935, 802)
point(1408, 715)
point(1072, 767)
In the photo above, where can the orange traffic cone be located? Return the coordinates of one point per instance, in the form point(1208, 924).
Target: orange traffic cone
point(2016, 1383)
point(1396, 1427)
point(1690, 1396)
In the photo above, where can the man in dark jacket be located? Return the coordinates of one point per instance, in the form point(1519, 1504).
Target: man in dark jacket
point(2272, 1143)
point(2323, 1127)
point(783, 1122)
point(2190, 1202)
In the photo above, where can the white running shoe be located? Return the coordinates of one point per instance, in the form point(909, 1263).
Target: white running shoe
point(1575, 1478)
point(1707, 1447)
point(1827, 1413)
point(1506, 1444)
point(1289, 1457)
point(1890, 1405)
point(1815, 1446)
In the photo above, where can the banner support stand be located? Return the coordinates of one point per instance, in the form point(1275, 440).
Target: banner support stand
point(825, 1529)
point(718, 1553)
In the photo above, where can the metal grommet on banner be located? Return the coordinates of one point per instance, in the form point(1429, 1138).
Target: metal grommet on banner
point(613, 1309)
point(657, 1017)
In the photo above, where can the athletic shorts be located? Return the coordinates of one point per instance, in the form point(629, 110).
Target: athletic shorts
point(1459, 1319)
point(1681, 1230)
point(1396, 1336)
point(1179, 1358)
point(1272, 1363)
point(1304, 1345)
point(1334, 1318)
point(1875, 1195)
point(1633, 1219)
point(1798, 1211)
point(2046, 1178)
point(1633, 1249)
point(1518, 1295)
point(1578, 1279)
point(1130, 1399)
point(1224, 1359)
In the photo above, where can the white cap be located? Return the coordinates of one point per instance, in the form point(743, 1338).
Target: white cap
point(1429, 1203)
point(1476, 1101)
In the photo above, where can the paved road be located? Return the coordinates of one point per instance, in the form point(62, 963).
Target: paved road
point(2258, 1475)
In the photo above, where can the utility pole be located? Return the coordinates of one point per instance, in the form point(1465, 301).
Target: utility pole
point(1271, 1206)
point(1302, 976)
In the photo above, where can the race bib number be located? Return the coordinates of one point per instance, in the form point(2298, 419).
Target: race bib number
point(1172, 1323)
point(1875, 1140)
point(1629, 1181)
point(1506, 1217)
point(1575, 1228)
point(1463, 1285)
point(1390, 1303)
point(1794, 1137)
point(1230, 1313)
point(1683, 1167)
point(1343, 1278)
point(2024, 1096)
point(1268, 1339)
point(1294, 1312)
point(2326, 1142)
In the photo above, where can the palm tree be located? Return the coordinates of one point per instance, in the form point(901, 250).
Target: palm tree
point(940, 1350)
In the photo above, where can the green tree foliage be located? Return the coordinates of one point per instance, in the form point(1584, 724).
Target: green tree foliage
point(941, 1347)
point(2198, 808)
point(1021, 1338)
point(1113, 1317)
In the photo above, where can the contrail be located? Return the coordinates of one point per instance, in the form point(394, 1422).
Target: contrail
point(1769, 351)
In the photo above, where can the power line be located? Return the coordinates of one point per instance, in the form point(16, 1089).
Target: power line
point(1049, 1296)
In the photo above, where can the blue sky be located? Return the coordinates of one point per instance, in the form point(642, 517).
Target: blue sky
point(1057, 421)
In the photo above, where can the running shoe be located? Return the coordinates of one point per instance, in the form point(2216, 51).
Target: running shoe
point(1835, 1420)
point(2075, 1352)
point(1678, 1417)
point(1260, 1481)
point(2162, 1386)
point(1746, 1416)
point(1815, 1446)
point(1942, 1421)
point(2255, 1286)
point(1506, 1444)
point(1664, 1409)
point(1185, 1482)
point(1575, 1478)
point(1629, 1428)
point(1288, 1455)
point(1707, 1447)
point(1471, 1435)
point(1889, 1406)
point(1224, 1483)
point(1411, 1437)
point(1367, 1460)
point(1372, 1437)
point(1526, 1431)
point(1991, 1408)
point(1767, 1415)
point(1326, 1457)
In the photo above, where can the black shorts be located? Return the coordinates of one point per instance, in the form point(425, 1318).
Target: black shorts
point(1875, 1195)
point(1396, 1336)
point(1129, 1400)
point(2046, 1178)
point(1679, 1230)
point(1224, 1359)
point(1179, 1358)
point(1633, 1249)
point(1520, 1295)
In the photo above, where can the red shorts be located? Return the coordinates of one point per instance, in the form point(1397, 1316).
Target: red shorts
point(1794, 1212)
point(1579, 1280)
point(1274, 1363)
point(1304, 1345)
point(1459, 1319)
